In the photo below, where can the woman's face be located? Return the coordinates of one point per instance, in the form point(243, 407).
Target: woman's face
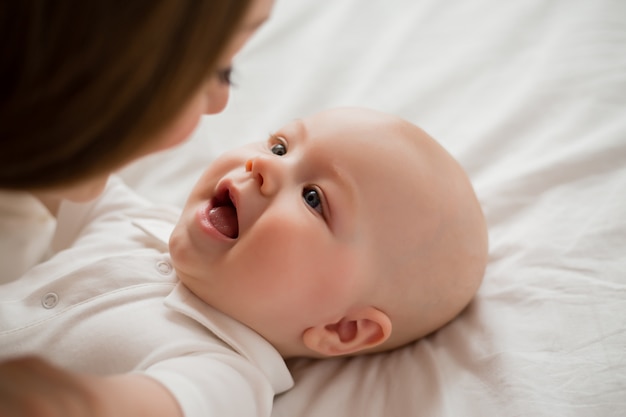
point(211, 98)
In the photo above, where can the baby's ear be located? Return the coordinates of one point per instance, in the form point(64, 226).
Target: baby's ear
point(361, 329)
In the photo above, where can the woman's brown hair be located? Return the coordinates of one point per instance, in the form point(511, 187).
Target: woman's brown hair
point(84, 85)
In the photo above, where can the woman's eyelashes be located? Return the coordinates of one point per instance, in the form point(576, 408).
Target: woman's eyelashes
point(224, 76)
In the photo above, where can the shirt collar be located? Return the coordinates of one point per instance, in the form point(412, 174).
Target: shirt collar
point(157, 229)
point(239, 337)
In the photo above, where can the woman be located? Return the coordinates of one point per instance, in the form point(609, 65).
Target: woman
point(86, 87)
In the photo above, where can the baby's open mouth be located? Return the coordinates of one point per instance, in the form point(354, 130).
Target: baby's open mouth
point(223, 215)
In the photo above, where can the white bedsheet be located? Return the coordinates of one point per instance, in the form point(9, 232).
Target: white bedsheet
point(530, 96)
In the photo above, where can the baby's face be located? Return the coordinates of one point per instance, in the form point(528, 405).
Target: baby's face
point(290, 232)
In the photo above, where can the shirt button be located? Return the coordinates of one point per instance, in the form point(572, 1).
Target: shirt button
point(50, 300)
point(164, 267)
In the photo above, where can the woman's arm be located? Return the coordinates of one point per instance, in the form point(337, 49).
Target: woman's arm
point(31, 387)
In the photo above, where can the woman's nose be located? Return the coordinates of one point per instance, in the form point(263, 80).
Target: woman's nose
point(266, 171)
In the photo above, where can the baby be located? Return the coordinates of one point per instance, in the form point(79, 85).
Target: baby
point(344, 233)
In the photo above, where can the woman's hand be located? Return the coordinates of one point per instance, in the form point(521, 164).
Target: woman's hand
point(31, 387)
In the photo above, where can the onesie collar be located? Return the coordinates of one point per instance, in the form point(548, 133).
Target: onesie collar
point(239, 337)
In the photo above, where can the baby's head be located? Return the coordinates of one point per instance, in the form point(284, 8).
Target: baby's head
point(350, 231)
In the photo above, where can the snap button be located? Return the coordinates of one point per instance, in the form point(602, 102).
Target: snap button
point(164, 267)
point(49, 300)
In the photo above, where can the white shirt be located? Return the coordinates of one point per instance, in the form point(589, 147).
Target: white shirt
point(109, 302)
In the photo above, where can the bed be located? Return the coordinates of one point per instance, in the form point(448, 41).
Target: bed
point(530, 97)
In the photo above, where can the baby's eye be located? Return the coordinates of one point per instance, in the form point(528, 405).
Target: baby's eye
point(279, 147)
point(313, 199)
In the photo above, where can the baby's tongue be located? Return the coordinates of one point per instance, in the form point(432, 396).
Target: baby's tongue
point(224, 218)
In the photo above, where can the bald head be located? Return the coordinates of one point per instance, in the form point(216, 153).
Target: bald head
point(417, 227)
point(429, 246)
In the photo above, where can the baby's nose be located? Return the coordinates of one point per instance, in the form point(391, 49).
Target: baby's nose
point(265, 172)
